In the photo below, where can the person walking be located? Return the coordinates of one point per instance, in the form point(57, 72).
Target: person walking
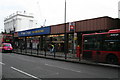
point(52, 47)
point(38, 46)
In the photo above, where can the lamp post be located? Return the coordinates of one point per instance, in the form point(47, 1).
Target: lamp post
point(13, 31)
point(65, 36)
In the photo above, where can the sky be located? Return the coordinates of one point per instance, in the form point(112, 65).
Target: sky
point(53, 10)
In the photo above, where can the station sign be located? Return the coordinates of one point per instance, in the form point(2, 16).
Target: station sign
point(34, 32)
point(71, 26)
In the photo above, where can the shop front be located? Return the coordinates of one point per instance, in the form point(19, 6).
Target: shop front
point(34, 38)
point(64, 48)
point(57, 41)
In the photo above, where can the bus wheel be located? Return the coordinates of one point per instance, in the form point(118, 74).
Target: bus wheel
point(112, 59)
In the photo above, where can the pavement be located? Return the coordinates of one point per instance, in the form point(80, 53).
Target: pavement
point(61, 56)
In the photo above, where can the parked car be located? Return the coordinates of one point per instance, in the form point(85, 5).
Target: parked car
point(6, 47)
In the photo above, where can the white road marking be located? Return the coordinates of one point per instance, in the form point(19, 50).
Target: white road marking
point(2, 63)
point(109, 65)
point(25, 73)
point(62, 68)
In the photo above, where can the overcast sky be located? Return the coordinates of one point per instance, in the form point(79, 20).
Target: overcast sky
point(53, 10)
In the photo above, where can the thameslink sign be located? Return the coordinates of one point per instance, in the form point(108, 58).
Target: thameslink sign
point(33, 32)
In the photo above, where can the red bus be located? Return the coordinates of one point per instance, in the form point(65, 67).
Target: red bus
point(7, 38)
point(102, 47)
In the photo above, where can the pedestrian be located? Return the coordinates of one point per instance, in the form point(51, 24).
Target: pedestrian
point(52, 48)
point(38, 46)
point(30, 45)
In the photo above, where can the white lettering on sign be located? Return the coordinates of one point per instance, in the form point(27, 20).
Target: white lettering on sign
point(23, 33)
point(114, 34)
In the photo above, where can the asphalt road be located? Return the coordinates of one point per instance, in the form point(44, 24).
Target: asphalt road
point(21, 66)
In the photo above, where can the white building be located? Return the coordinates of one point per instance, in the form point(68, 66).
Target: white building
point(119, 9)
point(19, 21)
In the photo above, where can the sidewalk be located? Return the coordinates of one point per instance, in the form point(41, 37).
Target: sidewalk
point(61, 56)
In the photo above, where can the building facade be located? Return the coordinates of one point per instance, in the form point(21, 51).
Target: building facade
point(55, 34)
point(119, 9)
point(91, 39)
point(19, 21)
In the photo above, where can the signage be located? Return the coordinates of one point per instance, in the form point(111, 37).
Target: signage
point(16, 34)
point(71, 26)
point(7, 40)
point(32, 32)
point(114, 34)
point(75, 36)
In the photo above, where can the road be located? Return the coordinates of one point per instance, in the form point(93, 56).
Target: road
point(21, 66)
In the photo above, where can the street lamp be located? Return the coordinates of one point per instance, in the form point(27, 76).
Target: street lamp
point(65, 36)
point(13, 31)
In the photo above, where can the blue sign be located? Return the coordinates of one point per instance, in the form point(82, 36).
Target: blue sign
point(33, 32)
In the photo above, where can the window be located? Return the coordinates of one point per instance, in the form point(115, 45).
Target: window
point(7, 45)
point(111, 42)
point(103, 42)
point(91, 42)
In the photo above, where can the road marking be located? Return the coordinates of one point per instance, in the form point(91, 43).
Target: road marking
point(2, 63)
point(109, 65)
point(25, 73)
point(62, 68)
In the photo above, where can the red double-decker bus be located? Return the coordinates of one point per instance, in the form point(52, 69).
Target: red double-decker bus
point(7, 38)
point(102, 47)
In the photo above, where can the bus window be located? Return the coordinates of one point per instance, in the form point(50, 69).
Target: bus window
point(112, 43)
point(91, 42)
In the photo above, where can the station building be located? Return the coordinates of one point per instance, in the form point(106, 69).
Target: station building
point(55, 34)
